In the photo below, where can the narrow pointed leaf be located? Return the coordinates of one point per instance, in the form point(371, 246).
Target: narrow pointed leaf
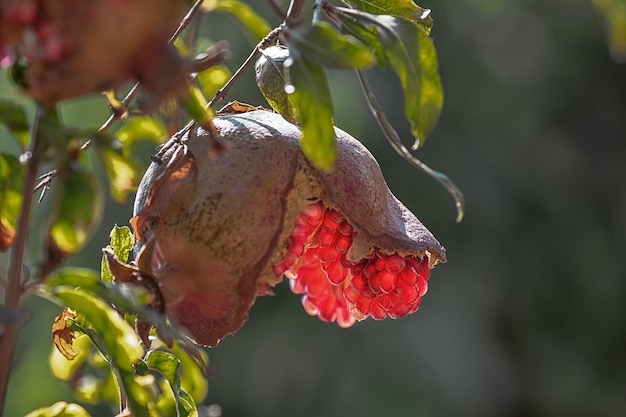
point(255, 24)
point(11, 197)
point(311, 97)
point(402, 8)
point(322, 44)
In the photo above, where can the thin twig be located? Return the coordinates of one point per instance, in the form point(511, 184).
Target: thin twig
point(14, 288)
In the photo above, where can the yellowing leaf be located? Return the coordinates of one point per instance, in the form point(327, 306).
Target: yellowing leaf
point(124, 173)
point(213, 78)
point(401, 8)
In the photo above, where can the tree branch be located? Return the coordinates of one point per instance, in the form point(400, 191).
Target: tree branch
point(14, 288)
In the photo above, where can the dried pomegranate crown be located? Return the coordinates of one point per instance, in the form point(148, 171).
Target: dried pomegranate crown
point(223, 230)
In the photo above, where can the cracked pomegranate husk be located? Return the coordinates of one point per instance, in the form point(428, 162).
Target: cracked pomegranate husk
point(225, 229)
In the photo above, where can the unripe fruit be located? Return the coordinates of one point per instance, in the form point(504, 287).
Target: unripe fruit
point(271, 81)
point(225, 229)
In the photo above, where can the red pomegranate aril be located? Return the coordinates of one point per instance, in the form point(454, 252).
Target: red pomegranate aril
point(328, 255)
point(384, 301)
point(359, 284)
point(325, 238)
point(381, 263)
point(336, 272)
point(408, 275)
point(370, 270)
point(345, 229)
point(310, 307)
point(376, 311)
point(395, 264)
point(329, 224)
point(374, 284)
point(351, 294)
point(343, 243)
point(344, 318)
point(399, 311)
point(387, 281)
point(363, 304)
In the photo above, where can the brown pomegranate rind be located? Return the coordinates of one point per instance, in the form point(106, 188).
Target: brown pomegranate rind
point(220, 225)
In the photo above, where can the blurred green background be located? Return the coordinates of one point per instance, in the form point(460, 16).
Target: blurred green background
point(527, 318)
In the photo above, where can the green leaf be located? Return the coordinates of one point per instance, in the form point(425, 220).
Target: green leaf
point(11, 197)
point(196, 106)
point(137, 128)
point(77, 210)
point(122, 243)
point(401, 8)
point(322, 44)
point(314, 106)
point(65, 369)
point(213, 78)
point(130, 298)
point(413, 57)
point(124, 173)
point(119, 338)
point(60, 409)
point(13, 116)
point(255, 24)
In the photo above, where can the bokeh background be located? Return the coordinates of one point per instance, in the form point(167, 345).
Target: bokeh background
point(527, 318)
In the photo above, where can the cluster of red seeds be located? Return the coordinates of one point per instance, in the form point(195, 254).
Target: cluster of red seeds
point(336, 289)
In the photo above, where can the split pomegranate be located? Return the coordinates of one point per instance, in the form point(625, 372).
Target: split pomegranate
point(222, 230)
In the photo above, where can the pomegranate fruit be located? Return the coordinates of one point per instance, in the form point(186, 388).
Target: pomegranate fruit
point(222, 230)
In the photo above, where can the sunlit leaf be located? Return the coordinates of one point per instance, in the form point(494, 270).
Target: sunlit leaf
point(413, 57)
point(60, 409)
point(196, 106)
point(311, 97)
point(322, 44)
point(65, 369)
point(11, 197)
point(119, 337)
point(255, 24)
point(13, 116)
point(124, 173)
point(77, 210)
point(138, 128)
point(213, 78)
point(402, 8)
point(63, 336)
point(122, 242)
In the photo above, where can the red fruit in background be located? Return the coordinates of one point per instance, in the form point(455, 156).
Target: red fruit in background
point(225, 229)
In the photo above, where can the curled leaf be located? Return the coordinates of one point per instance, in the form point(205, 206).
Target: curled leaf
point(63, 336)
point(60, 409)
